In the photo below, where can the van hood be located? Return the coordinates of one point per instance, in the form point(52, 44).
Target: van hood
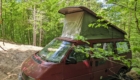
point(33, 69)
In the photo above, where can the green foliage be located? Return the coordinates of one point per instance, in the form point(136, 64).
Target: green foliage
point(107, 52)
point(125, 14)
point(99, 23)
point(104, 54)
point(78, 37)
point(18, 19)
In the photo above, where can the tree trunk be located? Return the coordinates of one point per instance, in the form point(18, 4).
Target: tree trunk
point(12, 26)
point(34, 26)
point(129, 26)
point(136, 17)
point(40, 36)
point(40, 29)
point(1, 21)
point(0, 11)
point(29, 38)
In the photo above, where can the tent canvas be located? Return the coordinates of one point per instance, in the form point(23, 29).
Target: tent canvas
point(76, 23)
point(72, 24)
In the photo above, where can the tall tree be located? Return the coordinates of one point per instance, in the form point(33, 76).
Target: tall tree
point(0, 11)
point(34, 25)
point(1, 21)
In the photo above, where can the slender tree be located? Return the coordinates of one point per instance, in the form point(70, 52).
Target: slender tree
point(34, 25)
point(0, 11)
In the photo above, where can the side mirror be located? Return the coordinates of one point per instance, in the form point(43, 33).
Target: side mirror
point(71, 60)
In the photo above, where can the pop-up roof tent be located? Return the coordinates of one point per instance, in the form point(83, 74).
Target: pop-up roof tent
point(77, 20)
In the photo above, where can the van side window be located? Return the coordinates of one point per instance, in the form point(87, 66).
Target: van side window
point(105, 48)
point(122, 47)
point(78, 55)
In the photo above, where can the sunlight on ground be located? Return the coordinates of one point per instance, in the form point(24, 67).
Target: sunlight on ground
point(9, 46)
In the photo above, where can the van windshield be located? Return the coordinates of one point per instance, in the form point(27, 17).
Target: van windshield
point(54, 51)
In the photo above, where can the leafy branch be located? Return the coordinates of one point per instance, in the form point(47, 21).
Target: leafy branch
point(99, 23)
point(106, 55)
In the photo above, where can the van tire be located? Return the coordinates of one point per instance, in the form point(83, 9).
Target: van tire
point(124, 70)
point(122, 74)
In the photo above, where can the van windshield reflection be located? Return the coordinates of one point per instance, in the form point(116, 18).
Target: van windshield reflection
point(54, 51)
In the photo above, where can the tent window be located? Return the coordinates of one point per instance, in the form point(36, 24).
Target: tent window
point(72, 24)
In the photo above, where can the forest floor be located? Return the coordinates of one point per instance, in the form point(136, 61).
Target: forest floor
point(13, 56)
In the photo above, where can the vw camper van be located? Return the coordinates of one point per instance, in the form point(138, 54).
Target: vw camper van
point(59, 59)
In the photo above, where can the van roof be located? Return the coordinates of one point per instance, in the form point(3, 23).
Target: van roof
point(74, 9)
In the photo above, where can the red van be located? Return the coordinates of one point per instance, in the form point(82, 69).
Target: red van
point(59, 60)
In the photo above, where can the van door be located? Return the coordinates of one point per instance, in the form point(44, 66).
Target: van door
point(100, 69)
point(100, 65)
point(81, 70)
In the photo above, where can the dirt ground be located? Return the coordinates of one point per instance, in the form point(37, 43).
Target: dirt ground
point(13, 56)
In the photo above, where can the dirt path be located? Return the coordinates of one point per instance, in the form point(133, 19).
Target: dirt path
point(11, 59)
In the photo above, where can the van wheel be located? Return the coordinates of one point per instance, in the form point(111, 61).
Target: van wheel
point(122, 74)
point(123, 71)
